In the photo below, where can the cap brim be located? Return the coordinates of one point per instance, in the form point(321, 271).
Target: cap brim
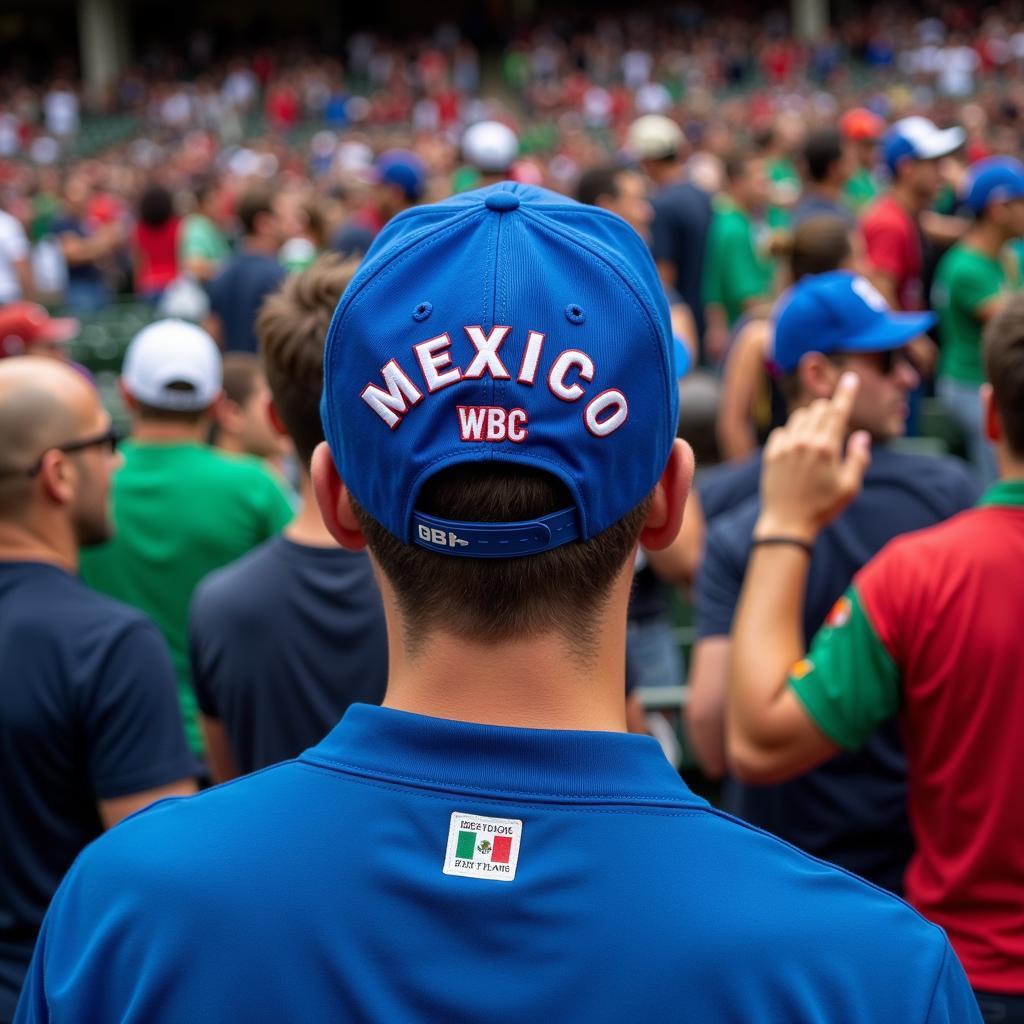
point(940, 143)
point(895, 331)
point(59, 331)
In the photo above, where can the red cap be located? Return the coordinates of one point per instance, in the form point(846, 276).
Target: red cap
point(861, 124)
point(24, 324)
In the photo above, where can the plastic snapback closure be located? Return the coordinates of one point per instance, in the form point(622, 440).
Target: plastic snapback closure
point(495, 540)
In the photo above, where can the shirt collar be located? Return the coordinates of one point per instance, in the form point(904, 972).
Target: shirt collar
point(553, 764)
point(1004, 492)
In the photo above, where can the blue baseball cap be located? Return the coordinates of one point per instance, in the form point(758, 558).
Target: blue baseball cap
point(919, 139)
point(508, 324)
point(994, 180)
point(404, 169)
point(838, 312)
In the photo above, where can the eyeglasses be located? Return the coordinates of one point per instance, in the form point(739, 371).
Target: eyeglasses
point(110, 438)
point(888, 360)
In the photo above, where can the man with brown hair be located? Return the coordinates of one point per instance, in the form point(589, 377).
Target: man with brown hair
point(242, 422)
point(500, 410)
point(259, 703)
point(929, 629)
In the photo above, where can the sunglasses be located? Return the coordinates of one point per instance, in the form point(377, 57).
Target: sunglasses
point(886, 361)
point(109, 439)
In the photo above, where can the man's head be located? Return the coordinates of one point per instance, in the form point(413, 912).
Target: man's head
point(242, 421)
point(57, 454)
point(1003, 395)
point(826, 161)
point(994, 192)
point(861, 129)
point(912, 148)
point(27, 329)
point(291, 326)
point(621, 190)
point(401, 179)
point(491, 148)
point(500, 408)
point(256, 212)
point(657, 143)
point(747, 180)
point(172, 376)
point(828, 323)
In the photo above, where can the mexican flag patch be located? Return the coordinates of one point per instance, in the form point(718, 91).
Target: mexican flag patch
point(483, 847)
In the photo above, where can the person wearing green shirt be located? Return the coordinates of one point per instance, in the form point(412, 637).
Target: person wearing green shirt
point(202, 247)
point(182, 509)
point(861, 130)
point(738, 272)
point(971, 286)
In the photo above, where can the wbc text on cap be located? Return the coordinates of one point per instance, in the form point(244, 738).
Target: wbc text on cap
point(507, 325)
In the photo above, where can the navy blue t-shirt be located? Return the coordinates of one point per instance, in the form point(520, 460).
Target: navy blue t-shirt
point(282, 642)
point(852, 809)
point(679, 233)
point(237, 293)
point(88, 712)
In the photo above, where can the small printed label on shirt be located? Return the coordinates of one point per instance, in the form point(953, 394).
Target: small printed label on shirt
point(483, 847)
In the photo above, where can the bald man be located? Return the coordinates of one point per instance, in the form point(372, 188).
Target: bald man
point(89, 724)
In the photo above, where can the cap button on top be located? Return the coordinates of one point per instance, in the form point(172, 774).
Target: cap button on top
point(501, 201)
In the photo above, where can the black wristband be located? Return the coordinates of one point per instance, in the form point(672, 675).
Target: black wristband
point(794, 542)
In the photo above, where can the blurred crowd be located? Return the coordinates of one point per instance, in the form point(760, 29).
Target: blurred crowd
point(852, 203)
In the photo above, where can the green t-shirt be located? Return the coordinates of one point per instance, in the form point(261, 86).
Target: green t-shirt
point(860, 190)
point(734, 270)
point(785, 179)
point(202, 239)
point(181, 511)
point(964, 280)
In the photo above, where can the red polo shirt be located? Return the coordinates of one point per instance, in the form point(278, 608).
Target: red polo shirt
point(933, 628)
point(894, 247)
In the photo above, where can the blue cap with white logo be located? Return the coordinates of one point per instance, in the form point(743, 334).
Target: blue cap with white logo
point(917, 138)
point(996, 179)
point(838, 312)
point(509, 324)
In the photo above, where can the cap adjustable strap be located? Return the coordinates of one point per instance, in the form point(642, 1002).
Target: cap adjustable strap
point(495, 540)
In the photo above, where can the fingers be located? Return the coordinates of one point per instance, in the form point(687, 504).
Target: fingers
point(858, 458)
point(841, 406)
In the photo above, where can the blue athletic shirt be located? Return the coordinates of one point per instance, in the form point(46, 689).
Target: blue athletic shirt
point(413, 869)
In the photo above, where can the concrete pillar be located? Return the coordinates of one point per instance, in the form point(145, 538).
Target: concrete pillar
point(103, 43)
point(810, 18)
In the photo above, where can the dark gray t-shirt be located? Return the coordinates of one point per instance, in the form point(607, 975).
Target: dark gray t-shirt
point(282, 642)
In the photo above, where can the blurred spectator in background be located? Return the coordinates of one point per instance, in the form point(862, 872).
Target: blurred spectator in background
point(181, 508)
point(249, 276)
point(89, 724)
point(738, 268)
point(202, 247)
point(88, 244)
point(242, 423)
point(260, 701)
point(682, 211)
point(490, 149)
point(155, 243)
point(851, 811)
point(827, 165)
point(400, 179)
point(861, 129)
point(27, 329)
point(971, 286)
point(778, 146)
point(15, 261)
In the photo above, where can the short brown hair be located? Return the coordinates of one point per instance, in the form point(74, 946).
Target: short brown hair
point(241, 372)
point(1003, 342)
point(292, 327)
point(253, 202)
point(496, 599)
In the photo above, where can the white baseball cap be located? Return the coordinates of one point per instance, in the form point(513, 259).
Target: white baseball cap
point(654, 137)
point(490, 146)
point(166, 355)
point(919, 139)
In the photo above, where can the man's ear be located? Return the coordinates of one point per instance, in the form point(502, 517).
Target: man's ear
point(126, 398)
point(670, 493)
point(333, 500)
point(275, 419)
point(818, 375)
point(991, 423)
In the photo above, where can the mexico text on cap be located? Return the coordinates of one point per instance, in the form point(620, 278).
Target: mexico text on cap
point(838, 312)
point(173, 365)
point(505, 325)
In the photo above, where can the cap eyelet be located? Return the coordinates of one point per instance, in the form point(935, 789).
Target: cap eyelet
point(574, 313)
point(422, 311)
